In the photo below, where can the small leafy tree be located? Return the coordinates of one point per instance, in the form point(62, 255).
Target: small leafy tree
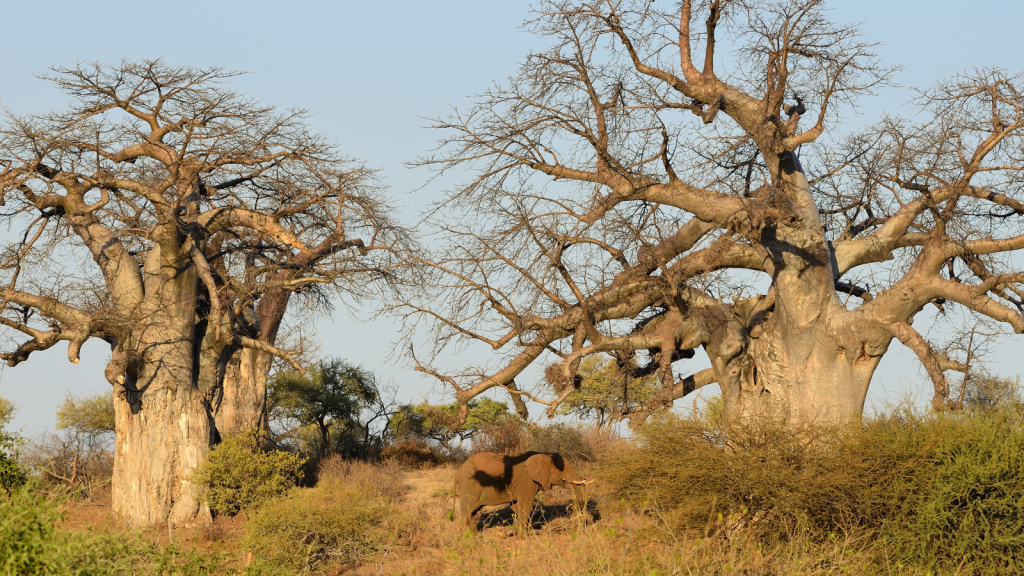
point(80, 451)
point(605, 392)
point(240, 475)
point(7, 411)
point(442, 424)
point(988, 392)
point(11, 474)
point(331, 397)
point(91, 414)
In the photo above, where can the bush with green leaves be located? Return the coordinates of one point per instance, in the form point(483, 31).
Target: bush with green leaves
point(946, 490)
point(239, 475)
point(343, 519)
point(31, 543)
point(89, 413)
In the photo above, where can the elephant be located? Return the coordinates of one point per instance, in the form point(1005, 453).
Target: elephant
point(489, 479)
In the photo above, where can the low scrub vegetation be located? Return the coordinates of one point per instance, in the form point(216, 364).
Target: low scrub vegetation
point(34, 544)
point(935, 491)
point(350, 514)
point(907, 492)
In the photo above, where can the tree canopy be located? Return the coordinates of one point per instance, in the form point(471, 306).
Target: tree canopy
point(663, 177)
point(331, 395)
point(90, 414)
point(444, 424)
point(605, 392)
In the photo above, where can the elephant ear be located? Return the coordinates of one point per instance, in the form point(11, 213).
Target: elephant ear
point(539, 468)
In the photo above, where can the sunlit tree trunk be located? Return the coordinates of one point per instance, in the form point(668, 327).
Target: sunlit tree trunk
point(163, 419)
point(807, 359)
point(163, 433)
point(241, 400)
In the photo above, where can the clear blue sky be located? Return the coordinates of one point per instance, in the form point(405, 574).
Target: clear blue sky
point(370, 70)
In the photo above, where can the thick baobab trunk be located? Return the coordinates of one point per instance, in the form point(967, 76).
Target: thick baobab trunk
point(163, 433)
point(184, 386)
point(815, 375)
point(808, 360)
point(163, 418)
point(189, 223)
point(240, 403)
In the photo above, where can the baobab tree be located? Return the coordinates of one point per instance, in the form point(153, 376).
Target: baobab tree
point(637, 194)
point(175, 220)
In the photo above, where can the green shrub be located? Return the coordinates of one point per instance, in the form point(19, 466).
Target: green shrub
point(338, 522)
point(12, 476)
point(32, 544)
point(946, 491)
point(239, 475)
point(90, 413)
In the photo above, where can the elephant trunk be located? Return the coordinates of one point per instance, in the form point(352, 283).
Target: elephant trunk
point(579, 488)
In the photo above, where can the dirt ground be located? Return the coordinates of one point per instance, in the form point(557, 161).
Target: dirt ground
point(439, 545)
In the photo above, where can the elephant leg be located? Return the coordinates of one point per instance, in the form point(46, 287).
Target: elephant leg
point(522, 509)
point(468, 508)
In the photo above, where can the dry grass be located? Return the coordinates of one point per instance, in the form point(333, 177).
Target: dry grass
point(625, 543)
point(386, 479)
point(621, 541)
point(348, 516)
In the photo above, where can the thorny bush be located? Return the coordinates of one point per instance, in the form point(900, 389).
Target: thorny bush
point(935, 491)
